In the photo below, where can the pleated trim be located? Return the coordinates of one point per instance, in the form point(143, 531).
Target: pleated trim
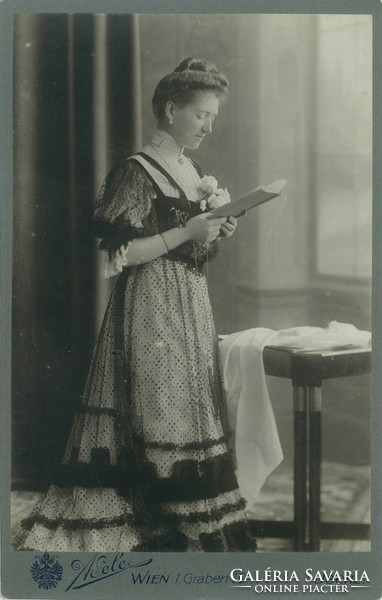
point(235, 537)
point(188, 446)
point(168, 519)
point(213, 515)
point(190, 479)
point(173, 541)
point(98, 411)
point(74, 524)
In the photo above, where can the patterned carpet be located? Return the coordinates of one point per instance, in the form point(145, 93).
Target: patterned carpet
point(345, 497)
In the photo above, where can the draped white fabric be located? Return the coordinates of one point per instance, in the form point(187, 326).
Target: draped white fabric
point(250, 412)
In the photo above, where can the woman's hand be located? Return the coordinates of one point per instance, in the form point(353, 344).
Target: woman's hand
point(203, 229)
point(228, 227)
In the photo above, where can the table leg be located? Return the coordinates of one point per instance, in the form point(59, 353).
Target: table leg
point(300, 398)
point(315, 404)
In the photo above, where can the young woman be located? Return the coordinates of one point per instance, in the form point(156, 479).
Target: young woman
point(147, 465)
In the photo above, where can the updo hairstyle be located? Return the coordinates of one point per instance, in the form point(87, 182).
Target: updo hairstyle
point(191, 76)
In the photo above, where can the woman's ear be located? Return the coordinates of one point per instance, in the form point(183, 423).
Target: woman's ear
point(170, 111)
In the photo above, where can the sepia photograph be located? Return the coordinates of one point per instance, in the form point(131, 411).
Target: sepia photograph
point(124, 137)
point(191, 295)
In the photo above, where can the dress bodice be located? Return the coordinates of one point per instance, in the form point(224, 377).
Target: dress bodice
point(151, 192)
point(175, 210)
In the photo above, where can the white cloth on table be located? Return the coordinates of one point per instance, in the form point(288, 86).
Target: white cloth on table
point(335, 336)
point(250, 413)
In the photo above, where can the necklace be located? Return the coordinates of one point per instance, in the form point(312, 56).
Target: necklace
point(168, 144)
point(185, 175)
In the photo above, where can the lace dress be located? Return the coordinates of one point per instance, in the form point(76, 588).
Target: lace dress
point(146, 466)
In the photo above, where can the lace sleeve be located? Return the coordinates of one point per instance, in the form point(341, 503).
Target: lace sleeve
point(124, 209)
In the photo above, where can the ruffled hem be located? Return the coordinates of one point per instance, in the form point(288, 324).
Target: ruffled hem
point(75, 520)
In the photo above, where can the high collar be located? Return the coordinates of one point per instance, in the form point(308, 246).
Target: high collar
point(164, 142)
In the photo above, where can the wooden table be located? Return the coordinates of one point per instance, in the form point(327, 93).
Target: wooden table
point(307, 370)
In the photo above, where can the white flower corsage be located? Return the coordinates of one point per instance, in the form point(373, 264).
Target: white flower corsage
point(214, 196)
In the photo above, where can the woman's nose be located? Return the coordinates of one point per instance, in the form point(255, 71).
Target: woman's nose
point(207, 127)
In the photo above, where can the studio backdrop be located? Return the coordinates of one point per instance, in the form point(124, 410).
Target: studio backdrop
point(299, 108)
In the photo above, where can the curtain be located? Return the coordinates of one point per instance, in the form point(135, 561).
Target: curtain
point(76, 112)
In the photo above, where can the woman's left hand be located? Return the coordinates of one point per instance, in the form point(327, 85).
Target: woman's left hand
point(228, 227)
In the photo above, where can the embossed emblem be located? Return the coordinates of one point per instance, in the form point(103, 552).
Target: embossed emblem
point(46, 571)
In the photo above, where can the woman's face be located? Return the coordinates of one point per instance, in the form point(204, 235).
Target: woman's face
point(192, 122)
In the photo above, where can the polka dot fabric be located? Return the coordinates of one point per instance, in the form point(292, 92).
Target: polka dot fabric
point(146, 466)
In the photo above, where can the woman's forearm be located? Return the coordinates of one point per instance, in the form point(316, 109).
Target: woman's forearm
point(143, 250)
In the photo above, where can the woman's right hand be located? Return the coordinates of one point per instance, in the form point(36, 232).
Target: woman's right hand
point(203, 229)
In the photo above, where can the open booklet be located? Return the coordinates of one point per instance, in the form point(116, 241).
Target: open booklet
point(250, 199)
